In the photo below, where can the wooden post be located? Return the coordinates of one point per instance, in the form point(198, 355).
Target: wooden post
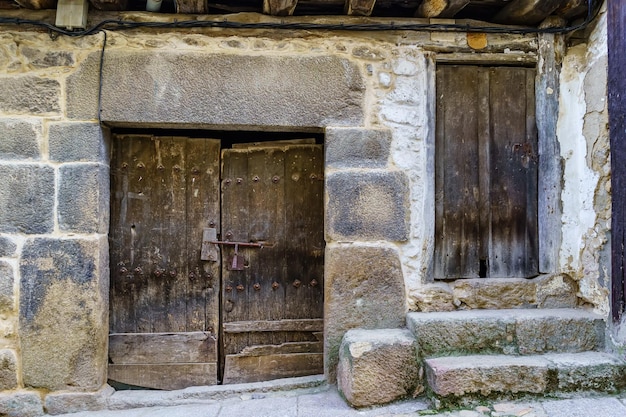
point(359, 7)
point(279, 7)
point(616, 22)
point(551, 49)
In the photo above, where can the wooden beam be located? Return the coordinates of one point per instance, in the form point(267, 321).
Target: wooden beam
point(111, 5)
point(526, 12)
point(192, 6)
point(440, 8)
point(359, 7)
point(8, 4)
point(303, 325)
point(572, 8)
point(616, 29)
point(37, 4)
point(279, 7)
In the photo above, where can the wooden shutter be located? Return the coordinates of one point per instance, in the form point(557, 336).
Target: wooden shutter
point(486, 173)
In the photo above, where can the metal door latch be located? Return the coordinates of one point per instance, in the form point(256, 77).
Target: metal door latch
point(210, 252)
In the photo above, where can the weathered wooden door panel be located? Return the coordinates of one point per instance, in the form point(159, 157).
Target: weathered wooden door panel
point(164, 192)
point(486, 173)
point(272, 195)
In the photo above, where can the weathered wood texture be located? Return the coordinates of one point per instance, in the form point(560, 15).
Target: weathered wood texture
point(164, 376)
point(527, 12)
point(617, 126)
point(486, 173)
point(279, 7)
point(275, 195)
point(244, 368)
point(165, 191)
point(192, 6)
point(109, 4)
point(551, 51)
point(359, 7)
point(440, 8)
point(146, 348)
point(37, 4)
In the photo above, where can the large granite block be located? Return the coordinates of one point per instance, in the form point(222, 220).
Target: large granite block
point(19, 139)
point(63, 315)
point(357, 147)
point(364, 288)
point(74, 142)
point(83, 200)
point(26, 198)
point(367, 206)
point(29, 95)
point(377, 366)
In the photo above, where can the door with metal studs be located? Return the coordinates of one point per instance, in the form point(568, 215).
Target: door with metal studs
point(216, 261)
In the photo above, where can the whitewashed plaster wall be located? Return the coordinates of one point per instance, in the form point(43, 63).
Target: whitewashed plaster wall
point(583, 136)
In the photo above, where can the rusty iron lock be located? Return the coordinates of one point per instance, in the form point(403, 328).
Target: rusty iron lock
point(236, 263)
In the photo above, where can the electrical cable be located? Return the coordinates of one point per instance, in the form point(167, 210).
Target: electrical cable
point(113, 25)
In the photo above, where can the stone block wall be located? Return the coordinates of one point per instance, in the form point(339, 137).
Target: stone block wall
point(372, 96)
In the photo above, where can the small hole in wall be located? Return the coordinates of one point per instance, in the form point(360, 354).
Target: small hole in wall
point(482, 269)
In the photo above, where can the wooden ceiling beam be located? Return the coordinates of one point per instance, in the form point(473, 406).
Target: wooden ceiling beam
point(572, 8)
point(279, 7)
point(37, 4)
point(527, 12)
point(359, 7)
point(440, 8)
point(192, 6)
point(110, 5)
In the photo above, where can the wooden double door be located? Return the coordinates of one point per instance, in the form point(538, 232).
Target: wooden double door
point(216, 261)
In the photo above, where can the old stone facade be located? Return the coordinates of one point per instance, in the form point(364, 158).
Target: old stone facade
point(373, 97)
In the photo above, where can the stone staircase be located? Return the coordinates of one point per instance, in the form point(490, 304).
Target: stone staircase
point(474, 354)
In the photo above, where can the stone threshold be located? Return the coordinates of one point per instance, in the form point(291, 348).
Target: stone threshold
point(128, 399)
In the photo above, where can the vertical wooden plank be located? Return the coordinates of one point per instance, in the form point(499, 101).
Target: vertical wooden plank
point(235, 221)
point(616, 22)
point(531, 162)
point(266, 171)
point(457, 242)
point(122, 295)
point(510, 170)
point(484, 168)
point(203, 211)
point(551, 49)
point(304, 167)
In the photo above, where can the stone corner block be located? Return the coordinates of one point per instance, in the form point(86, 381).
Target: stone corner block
point(83, 198)
point(19, 139)
point(357, 147)
point(21, 404)
point(364, 289)
point(74, 402)
point(82, 89)
point(556, 291)
point(27, 199)
point(63, 291)
point(368, 206)
point(312, 90)
point(378, 366)
point(77, 142)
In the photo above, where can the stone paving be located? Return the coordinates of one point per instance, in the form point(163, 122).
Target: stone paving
point(326, 401)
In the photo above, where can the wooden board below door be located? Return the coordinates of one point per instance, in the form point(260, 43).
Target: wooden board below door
point(164, 301)
point(272, 307)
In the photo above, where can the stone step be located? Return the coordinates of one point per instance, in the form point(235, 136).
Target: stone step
point(477, 376)
point(509, 332)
